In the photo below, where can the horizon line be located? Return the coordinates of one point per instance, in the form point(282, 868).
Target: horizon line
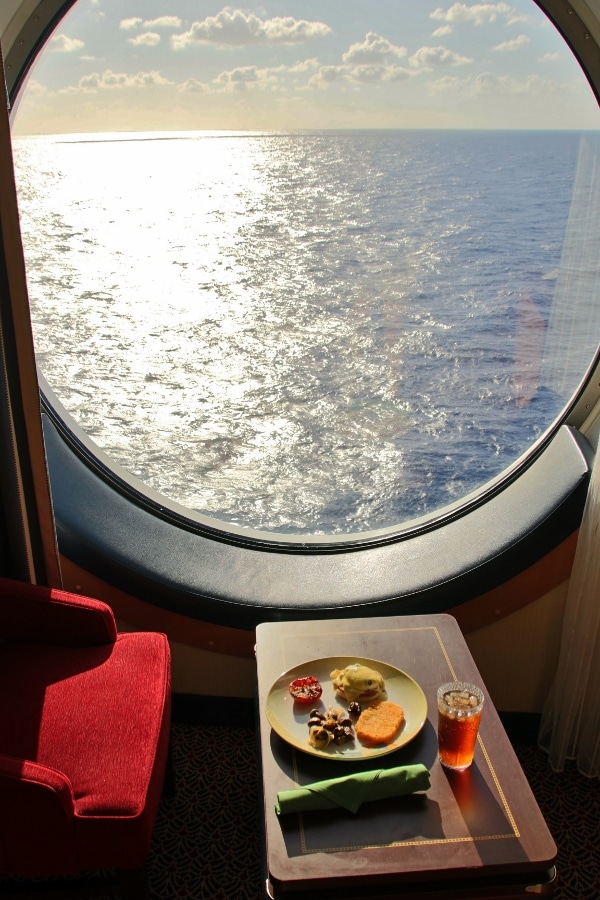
point(153, 134)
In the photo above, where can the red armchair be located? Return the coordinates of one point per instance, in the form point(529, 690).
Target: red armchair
point(84, 734)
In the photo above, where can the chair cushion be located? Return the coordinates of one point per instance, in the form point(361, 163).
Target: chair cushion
point(101, 716)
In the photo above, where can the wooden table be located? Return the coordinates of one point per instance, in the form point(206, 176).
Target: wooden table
point(474, 834)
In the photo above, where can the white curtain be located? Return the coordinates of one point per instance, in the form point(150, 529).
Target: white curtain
point(570, 726)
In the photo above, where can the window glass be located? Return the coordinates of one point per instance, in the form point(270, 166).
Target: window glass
point(305, 267)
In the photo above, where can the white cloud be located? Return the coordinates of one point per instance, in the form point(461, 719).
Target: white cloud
point(500, 85)
point(146, 39)
point(486, 83)
point(63, 44)
point(164, 22)
point(373, 74)
point(447, 84)
point(443, 30)
point(437, 57)
point(238, 79)
point(234, 28)
point(267, 78)
point(364, 74)
point(515, 17)
point(327, 75)
point(550, 57)
point(95, 12)
point(147, 79)
point(477, 13)
point(129, 24)
point(374, 49)
point(109, 80)
point(192, 86)
point(306, 65)
point(515, 44)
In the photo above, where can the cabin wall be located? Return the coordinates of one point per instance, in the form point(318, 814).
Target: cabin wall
point(516, 656)
point(515, 644)
point(202, 672)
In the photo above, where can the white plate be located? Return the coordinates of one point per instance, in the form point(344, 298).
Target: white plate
point(289, 719)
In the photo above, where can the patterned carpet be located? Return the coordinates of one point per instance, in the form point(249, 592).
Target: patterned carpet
point(570, 804)
point(206, 843)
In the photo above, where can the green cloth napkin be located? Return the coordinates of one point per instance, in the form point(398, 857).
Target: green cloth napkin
point(351, 791)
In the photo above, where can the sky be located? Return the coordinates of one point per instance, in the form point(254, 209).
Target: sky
point(180, 65)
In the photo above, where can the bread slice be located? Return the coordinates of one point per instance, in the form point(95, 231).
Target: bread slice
point(379, 723)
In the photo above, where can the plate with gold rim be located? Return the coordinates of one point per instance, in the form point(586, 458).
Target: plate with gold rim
point(289, 719)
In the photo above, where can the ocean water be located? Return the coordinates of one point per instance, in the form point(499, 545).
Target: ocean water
point(317, 333)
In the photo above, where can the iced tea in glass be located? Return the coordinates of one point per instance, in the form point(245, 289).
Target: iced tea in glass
point(459, 715)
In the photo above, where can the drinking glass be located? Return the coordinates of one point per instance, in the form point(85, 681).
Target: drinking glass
point(459, 714)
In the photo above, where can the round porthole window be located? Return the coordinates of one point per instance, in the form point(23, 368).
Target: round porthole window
point(311, 270)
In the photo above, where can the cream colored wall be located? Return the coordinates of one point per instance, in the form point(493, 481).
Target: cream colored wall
point(517, 656)
point(196, 671)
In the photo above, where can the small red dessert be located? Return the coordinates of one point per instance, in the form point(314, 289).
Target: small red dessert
point(305, 690)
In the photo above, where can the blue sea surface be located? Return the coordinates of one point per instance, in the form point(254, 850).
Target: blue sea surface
point(314, 333)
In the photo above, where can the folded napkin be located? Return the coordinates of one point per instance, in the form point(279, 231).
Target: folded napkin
point(351, 791)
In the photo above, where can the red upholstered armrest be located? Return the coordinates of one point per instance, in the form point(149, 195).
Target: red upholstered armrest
point(37, 812)
point(34, 613)
point(16, 774)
